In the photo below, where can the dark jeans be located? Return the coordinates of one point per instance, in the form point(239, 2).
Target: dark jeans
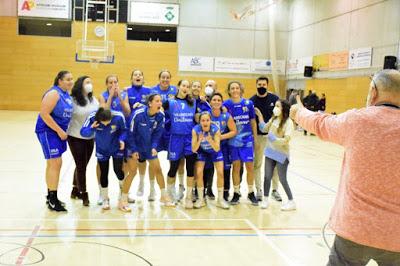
point(348, 253)
point(81, 150)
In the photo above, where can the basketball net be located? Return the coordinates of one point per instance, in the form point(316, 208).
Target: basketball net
point(94, 63)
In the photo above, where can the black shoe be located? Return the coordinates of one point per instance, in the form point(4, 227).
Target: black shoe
point(210, 194)
point(56, 206)
point(47, 201)
point(226, 195)
point(75, 194)
point(252, 198)
point(276, 196)
point(85, 199)
point(235, 199)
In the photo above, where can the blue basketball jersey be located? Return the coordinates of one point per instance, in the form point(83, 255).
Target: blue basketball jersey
point(61, 113)
point(107, 137)
point(181, 116)
point(165, 94)
point(242, 112)
point(222, 123)
point(137, 94)
point(204, 144)
point(116, 103)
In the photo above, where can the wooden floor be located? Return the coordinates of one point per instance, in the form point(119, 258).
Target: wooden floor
point(154, 235)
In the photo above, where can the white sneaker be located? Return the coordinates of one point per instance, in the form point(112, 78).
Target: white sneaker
point(140, 191)
point(166, 200)
point(124, 206)
point(289, 206)
point(181, 192)
point(106, 204)
point(152, 195)
point(188, 203)
point(199, 204)
point(131, 200)
point(172, 194)
point(100, 200)
point(221, 203)
point(264, 203)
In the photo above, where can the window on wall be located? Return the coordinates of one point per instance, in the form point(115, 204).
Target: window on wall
point(151, 33)
point(44, 27)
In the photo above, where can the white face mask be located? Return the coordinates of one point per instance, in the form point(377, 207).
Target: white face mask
point(276, 111)
point(88, 88)
point(208, 90)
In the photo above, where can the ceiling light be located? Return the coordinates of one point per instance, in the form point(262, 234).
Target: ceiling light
point(167, 30)
point(48, 24)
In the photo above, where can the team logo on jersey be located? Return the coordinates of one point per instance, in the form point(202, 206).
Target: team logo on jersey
point(113, 128)
point(247, 102)
point(223, 123)
point(245, 109)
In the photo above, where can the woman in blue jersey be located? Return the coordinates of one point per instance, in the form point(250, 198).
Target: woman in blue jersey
point(137, 95)
point(181, 110)
point(145, 130)
point(167, 91)
point(51, 126)
point(206, 142)
point(113, 98)
point(228, 130)
point(109, 130)
point(242, 145)
point(81, 148)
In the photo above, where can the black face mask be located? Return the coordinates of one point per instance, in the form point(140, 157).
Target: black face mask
point(261, 90)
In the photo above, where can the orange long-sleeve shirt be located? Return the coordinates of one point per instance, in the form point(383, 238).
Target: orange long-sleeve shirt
point(367, 205)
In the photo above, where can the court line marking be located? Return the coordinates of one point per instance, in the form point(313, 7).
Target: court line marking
point(159, 229)
point(312, 181)
point(28, 244)
point(270, 243)
point(167, 235)
point(61, 218)
point(185, 214)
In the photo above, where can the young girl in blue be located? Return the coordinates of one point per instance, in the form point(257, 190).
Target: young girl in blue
point(110, 134)
point(145, 130)
point(137, 95)
point(228, 130)
point(168, 91)
point(206, 142)
point(182, 111)
point(241, 146)
point(113, 98)
point(51, 126)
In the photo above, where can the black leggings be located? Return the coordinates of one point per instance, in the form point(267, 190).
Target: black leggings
point(117, 165)
point(174, 165)
point(208, 175)
point(227, 179)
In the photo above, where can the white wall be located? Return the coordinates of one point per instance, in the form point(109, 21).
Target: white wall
point(321, 26)
point(208, 28)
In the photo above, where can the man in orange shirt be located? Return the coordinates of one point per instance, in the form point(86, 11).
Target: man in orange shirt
point(366, 214)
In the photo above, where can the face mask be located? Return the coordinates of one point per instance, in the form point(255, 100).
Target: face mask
point(88, 87)
point(261, 90)
point(276, 111)
point(208, 90)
